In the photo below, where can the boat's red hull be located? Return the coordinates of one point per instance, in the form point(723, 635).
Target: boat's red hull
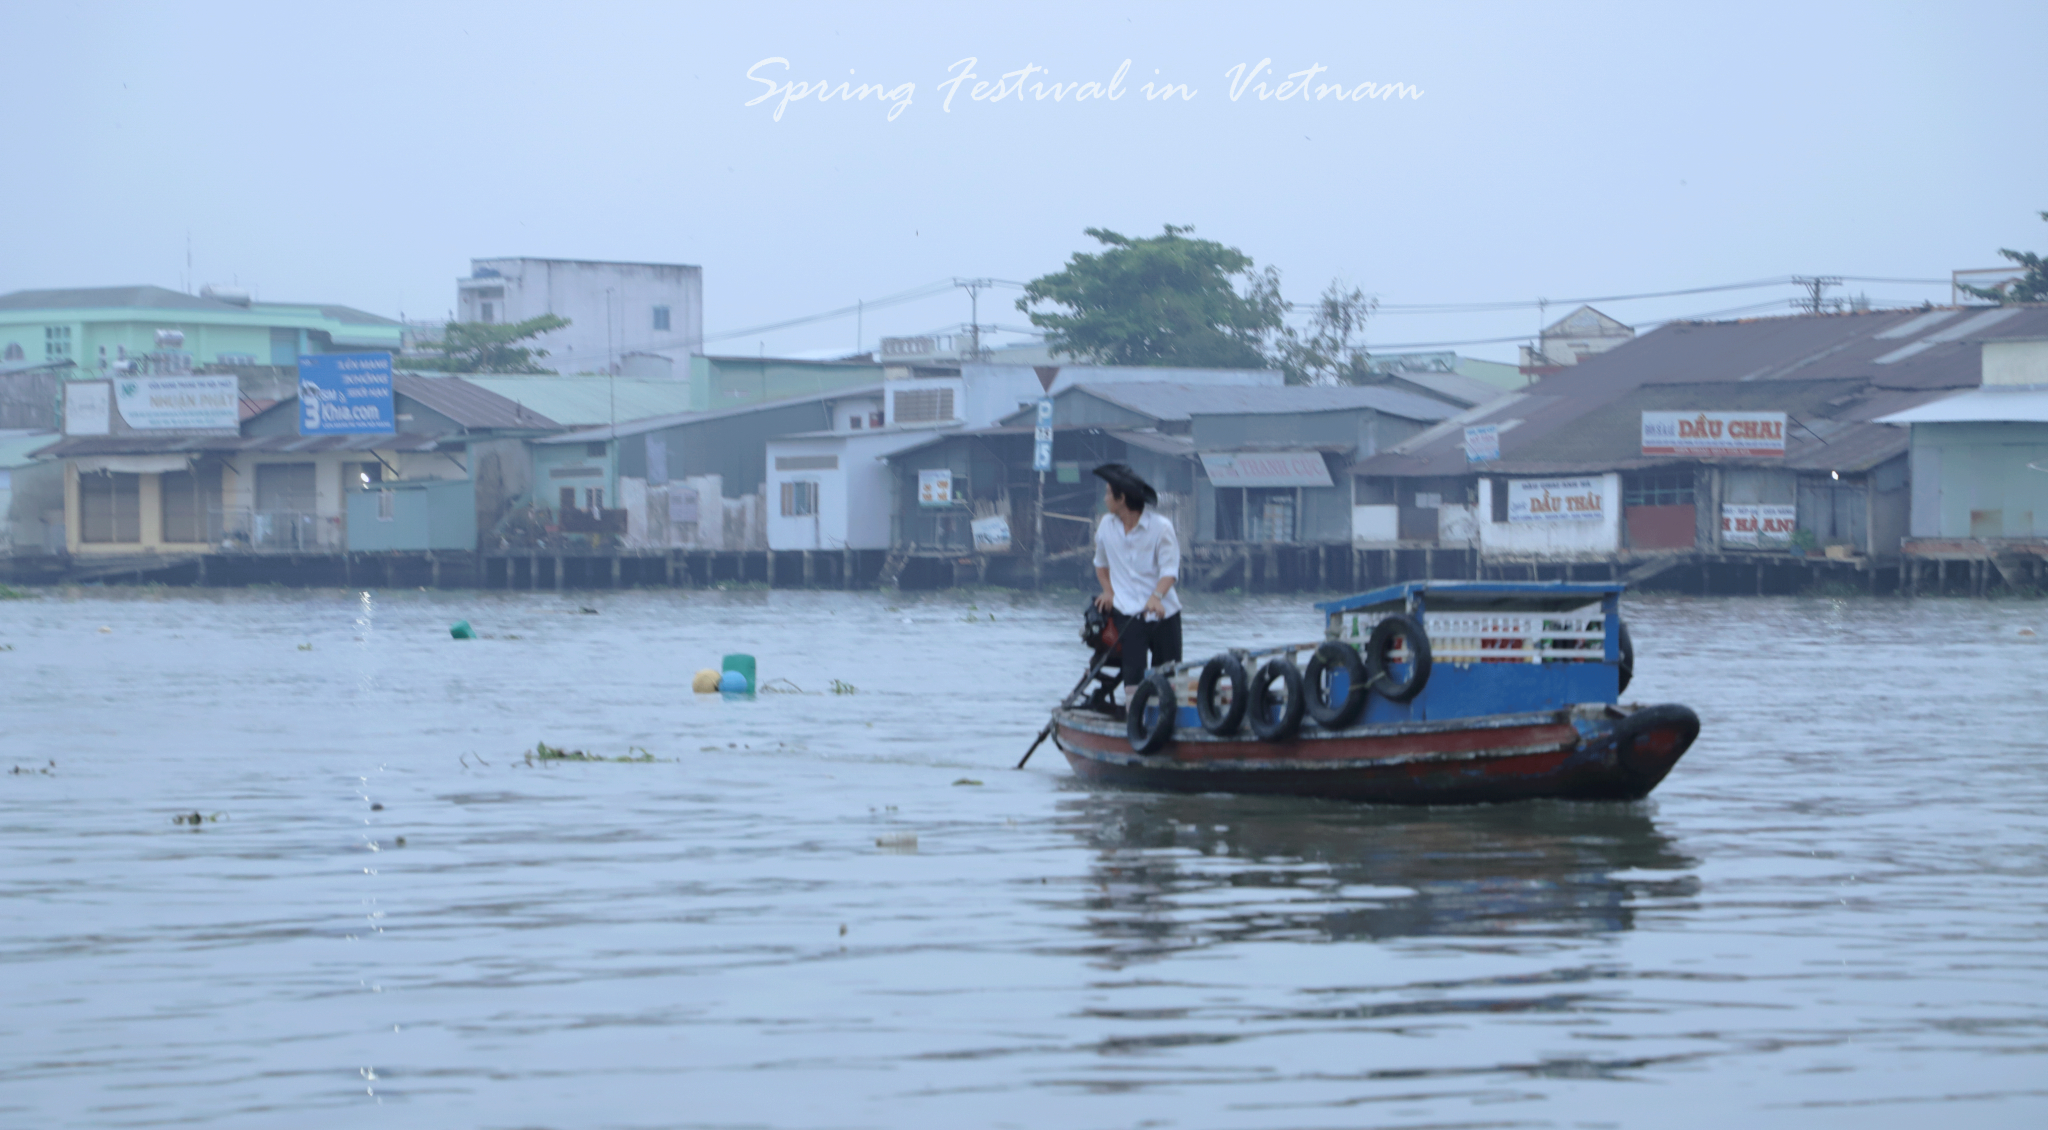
point(1589, 754)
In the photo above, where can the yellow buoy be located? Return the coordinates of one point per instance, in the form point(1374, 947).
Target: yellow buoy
point(705, 682)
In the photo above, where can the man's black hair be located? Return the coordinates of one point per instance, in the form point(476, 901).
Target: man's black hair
point(1125, 483)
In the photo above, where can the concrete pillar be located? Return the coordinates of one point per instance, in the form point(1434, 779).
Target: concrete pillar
point(617, 561)
point(558, 572)
point(810, 569)
point(434, 565)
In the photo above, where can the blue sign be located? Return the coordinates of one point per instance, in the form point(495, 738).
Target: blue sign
point(345, 394)
point(1041, 439)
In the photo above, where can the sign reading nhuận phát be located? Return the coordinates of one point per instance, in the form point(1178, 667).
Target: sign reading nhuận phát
point(1715, 434)
point(1267, 469)
point(1745, 523)
point(191, 404)
point(1556, 500)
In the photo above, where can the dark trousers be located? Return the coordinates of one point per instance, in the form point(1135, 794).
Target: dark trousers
point(1138, 636)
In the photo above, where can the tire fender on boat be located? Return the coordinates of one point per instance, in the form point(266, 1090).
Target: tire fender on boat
point(1330, 658)
point(1156, 689)
point(1222, 721)
point(1264, 723)
point(1650, 741)
point(1627, 647)
point(1378, 650)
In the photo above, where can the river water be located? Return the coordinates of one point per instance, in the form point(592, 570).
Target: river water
point(1832, 913)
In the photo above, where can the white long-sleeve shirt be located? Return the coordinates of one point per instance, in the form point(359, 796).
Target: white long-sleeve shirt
point(1137, 558)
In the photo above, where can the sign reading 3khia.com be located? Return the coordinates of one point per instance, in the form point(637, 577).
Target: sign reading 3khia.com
point(345, 394)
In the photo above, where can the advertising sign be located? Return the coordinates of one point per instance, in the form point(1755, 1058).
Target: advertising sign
point(935, 488)
point(991, 534)
point(1555, 500)
point(1482, 443)
point(193, 404)
point(86, 408)
point(1041, 439)
point(1267, 469)
point(1753, 524)
point(1715, 435)
point(345, 394)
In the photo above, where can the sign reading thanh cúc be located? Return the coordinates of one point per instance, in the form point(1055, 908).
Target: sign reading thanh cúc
point(1715, 434)
point(191, 404)
point(345, 394)
point(1267, 469)
point(1556, 500)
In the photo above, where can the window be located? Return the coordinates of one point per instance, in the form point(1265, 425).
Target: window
point(490, 313)
point(56, 342)
point(799, 500)
point(386, 505)
point(855, 421)
point(14, 351)
point(924, 405)
point(875, 419)
point(1657, 488)
point(661, 318)
point(594, 450)
point(109, 507)
point(807, 462)
point(1500, 500)
point(188, 499)
point(593, 499)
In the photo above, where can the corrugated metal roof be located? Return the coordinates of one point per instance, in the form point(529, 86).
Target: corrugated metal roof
point(469, 404)
point(1587, 417)
point(1175, 402)
point(224, 444)
point(576, 402)
point(163, 298)
point(677, 419)
point(1979, 405)
point(15, 449)
point(1154, 441)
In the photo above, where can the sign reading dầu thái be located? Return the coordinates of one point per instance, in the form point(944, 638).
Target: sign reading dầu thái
point(1712, 435)
point(1556, 500)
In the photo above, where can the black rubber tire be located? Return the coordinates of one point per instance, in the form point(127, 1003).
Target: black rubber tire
point(1267, 727)
point(1397, 626)
point(1647, 767)
point(1329, 658)
point(1628, 654)
point(1154, 738)
point(1224, 722)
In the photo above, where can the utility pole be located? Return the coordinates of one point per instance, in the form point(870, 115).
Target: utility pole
point(1814, 285)
point(974, 288)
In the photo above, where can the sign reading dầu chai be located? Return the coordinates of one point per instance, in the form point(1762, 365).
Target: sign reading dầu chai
point(1556, 500)
point(1715, 434)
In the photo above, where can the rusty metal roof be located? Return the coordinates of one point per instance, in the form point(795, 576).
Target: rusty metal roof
point(471, 406)
point(1832, 372)
point(234, 444)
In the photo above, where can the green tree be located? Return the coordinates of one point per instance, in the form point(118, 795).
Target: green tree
point(487, 347)
point(1167, 300)
point(2030, 287)
point(1332, 351)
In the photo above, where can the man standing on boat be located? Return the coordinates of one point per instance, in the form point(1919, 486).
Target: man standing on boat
point(1137, 562)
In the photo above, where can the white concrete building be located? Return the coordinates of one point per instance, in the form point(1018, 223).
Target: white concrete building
point(1575, 337)
point(644, 317)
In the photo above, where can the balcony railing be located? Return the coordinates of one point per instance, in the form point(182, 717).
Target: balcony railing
point(247, 530)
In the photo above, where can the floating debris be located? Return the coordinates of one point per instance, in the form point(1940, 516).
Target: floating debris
point(780, 686)
point(376, 808)
point(967, 781)
point(839, 687)
point(905, 842)
point(542, 751)
point(9, 592)
point(586, 610)
point(305, 647)
point(194, 819)
point(49, 770)
point(105, 629)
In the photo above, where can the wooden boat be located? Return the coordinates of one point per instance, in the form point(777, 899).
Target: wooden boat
point(1428, 692)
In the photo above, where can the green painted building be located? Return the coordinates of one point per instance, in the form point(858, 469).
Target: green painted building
point(98, 328)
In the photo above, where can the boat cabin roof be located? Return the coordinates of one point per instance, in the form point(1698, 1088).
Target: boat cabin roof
point(1503, 596)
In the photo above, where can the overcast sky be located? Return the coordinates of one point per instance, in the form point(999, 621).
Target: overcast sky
point(362, 154)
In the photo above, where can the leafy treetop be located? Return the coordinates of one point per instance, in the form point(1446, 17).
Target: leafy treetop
point(2030, 287)
point(1168, 300)
point(488, 347)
